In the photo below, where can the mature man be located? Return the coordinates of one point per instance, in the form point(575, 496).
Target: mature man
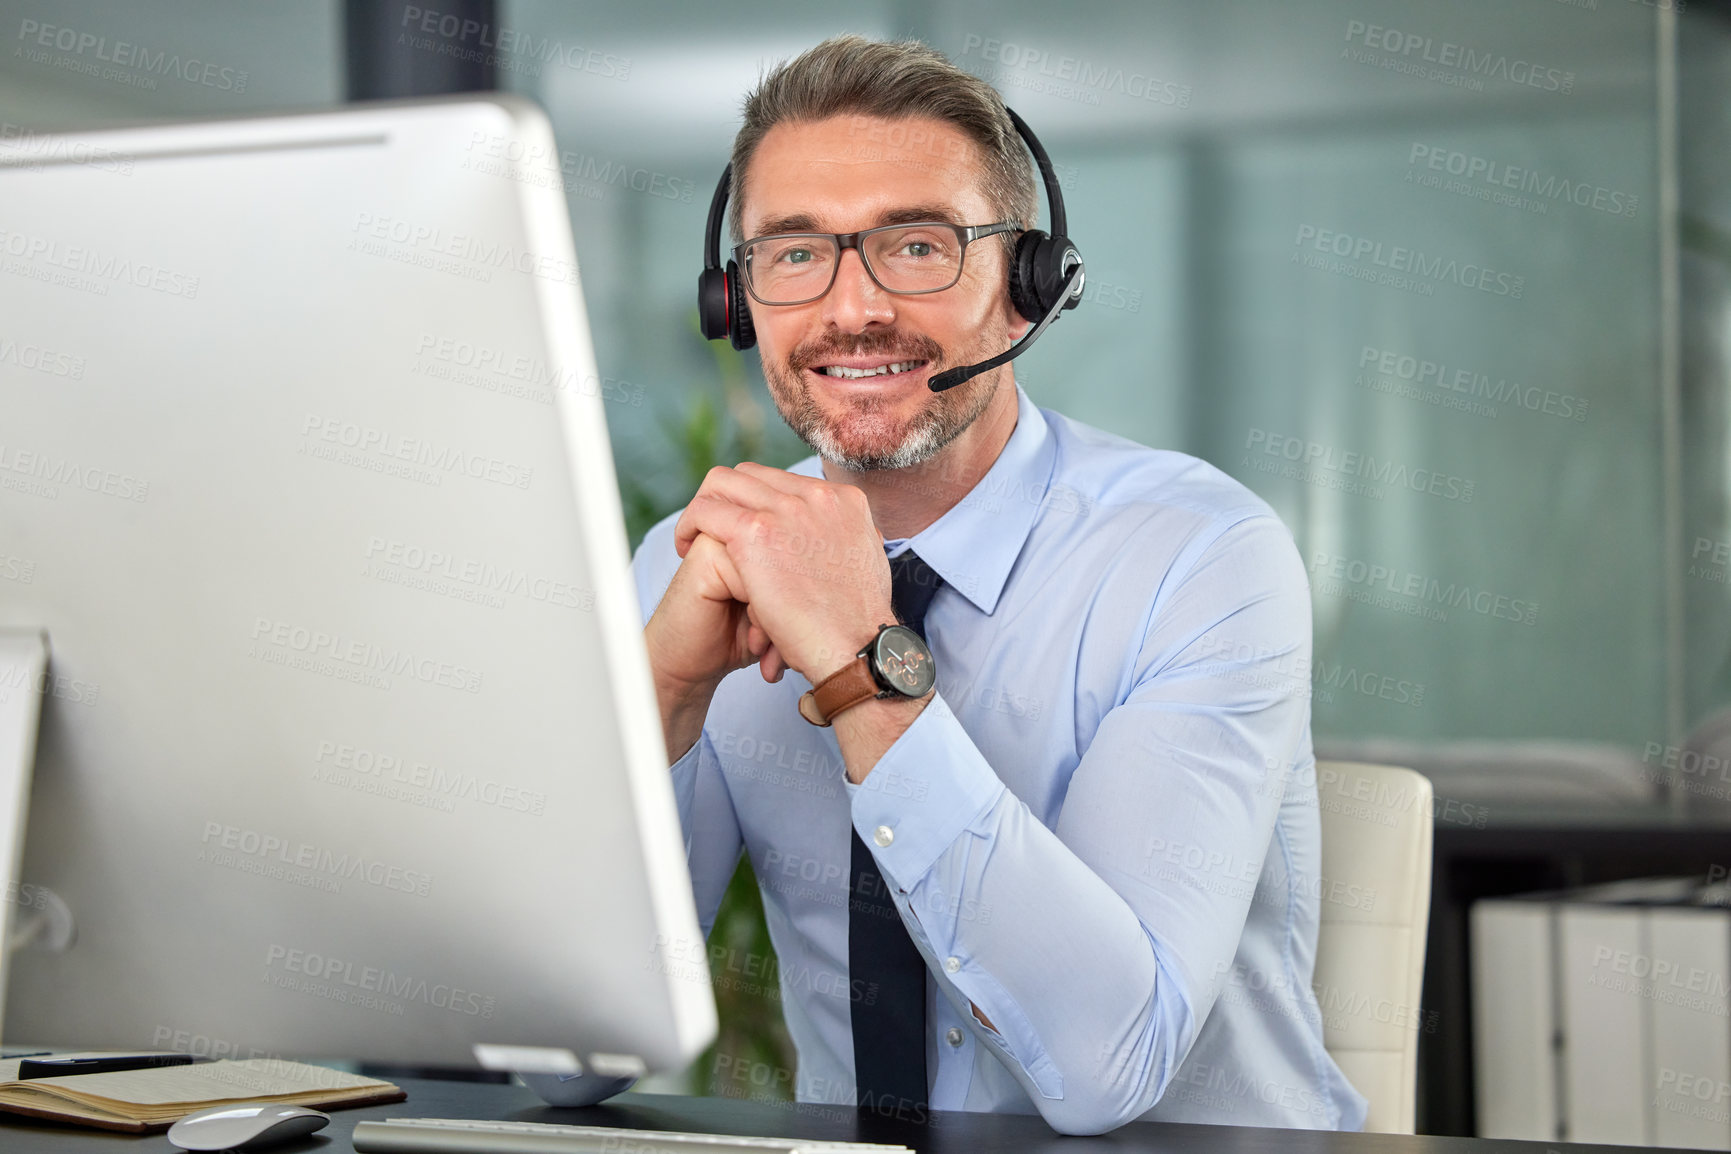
point(1096, 839)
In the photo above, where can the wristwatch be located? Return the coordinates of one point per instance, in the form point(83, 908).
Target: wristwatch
point(895, 663)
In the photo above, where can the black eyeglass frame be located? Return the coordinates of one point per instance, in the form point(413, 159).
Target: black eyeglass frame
point(966, 234)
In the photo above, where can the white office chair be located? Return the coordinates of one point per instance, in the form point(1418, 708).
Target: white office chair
point(1376, 836)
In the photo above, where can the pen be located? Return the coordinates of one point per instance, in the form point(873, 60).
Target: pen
point(65, 1067)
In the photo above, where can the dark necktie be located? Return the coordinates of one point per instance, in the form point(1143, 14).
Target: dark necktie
point(889, 1031)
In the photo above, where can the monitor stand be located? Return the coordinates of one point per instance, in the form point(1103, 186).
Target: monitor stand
point(23, 667)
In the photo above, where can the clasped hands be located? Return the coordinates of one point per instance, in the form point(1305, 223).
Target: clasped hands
point(780, 570)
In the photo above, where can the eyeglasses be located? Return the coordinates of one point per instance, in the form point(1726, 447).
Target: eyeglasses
point(793, 268)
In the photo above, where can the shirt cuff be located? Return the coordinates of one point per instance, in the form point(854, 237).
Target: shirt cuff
point(928, 787)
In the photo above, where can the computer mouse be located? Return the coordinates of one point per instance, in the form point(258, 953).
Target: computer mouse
point(245, 1125)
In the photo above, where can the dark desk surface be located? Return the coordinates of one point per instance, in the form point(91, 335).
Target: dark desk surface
point(1578, 815)
point(951, 1133)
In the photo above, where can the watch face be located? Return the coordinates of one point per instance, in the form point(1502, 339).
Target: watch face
point(903, 662)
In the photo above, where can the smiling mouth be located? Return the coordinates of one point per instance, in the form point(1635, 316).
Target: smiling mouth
point(852, 374)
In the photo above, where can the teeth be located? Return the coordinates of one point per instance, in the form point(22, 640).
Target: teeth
point(880, 371)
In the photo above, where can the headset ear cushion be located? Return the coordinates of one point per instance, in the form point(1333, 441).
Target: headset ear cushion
point(1057, 260)
point(1024, 293)
point(712, 308)
point(743, 332)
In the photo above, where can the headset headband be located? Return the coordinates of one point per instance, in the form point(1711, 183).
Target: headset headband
point(1048, 177)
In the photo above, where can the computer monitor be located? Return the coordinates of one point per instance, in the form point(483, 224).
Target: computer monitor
point(348, 740)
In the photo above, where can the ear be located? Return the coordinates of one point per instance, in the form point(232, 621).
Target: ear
point(1018, 325)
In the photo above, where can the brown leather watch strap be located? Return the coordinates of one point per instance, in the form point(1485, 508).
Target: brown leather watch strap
point(843, 689)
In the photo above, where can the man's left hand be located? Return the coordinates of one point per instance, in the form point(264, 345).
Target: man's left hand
point(810, 556)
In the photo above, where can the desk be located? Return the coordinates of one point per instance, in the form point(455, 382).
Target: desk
point(946, 1133)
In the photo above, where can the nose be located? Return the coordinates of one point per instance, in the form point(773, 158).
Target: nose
point(855, 301)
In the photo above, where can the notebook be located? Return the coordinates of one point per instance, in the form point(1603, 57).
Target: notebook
point(140, 1101)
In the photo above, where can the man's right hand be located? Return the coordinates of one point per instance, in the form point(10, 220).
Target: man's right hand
point(700, 632)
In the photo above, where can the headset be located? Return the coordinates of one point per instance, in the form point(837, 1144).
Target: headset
point(1046, 275)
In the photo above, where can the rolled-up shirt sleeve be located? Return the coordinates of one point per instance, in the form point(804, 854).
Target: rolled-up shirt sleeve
point(1107, 933)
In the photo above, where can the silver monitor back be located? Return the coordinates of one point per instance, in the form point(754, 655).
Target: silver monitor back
point(349, 744)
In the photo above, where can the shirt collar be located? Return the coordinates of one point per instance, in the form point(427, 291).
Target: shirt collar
point(974, 544)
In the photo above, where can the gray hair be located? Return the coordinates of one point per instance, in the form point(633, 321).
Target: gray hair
point(853, 76)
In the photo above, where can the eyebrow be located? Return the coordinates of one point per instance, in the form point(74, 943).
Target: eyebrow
point(910, 214)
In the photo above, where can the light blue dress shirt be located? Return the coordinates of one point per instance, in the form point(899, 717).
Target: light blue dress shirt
point(1102, 830)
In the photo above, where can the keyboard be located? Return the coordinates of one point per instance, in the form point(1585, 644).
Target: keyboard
point(475, 1136)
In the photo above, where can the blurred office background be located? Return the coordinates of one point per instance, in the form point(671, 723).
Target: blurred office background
point(1448, 282)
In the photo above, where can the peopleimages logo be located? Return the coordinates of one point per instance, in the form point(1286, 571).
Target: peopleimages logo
point(435, 459)
point(1426, 596)
point(1658, 974)
point(342, 980)
point(1448, 57)
point(1312, 455)
point(1364, 683)
point(438, 249)
point(1073, 76)
point(506, 47)
point(467, 578)
point(1717, 556)
point(1392, 264)
point(417, 782)
point(351, 659)
point(1439, 377)
point(92, 270)
point(14, 678)
point(495, 155)
point(93, 51)
point(1497, 175)
point(255, 851)
point(515, 374)
point(41, 474)
point(48, 148)
point(39, 359)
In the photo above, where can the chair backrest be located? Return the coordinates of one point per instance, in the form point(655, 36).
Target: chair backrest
point(1375, 890)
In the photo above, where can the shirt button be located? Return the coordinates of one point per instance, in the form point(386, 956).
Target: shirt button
point(884, 835)
point(954, 1036)
point(952, 965)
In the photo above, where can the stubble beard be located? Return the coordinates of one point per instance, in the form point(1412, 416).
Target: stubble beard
point(867, 435)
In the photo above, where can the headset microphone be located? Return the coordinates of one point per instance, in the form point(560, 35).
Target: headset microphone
point(1046, 275)
point(950, 378)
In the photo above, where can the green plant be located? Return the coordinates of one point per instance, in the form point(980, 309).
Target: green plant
point(752, 1055)
point(724, 423)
